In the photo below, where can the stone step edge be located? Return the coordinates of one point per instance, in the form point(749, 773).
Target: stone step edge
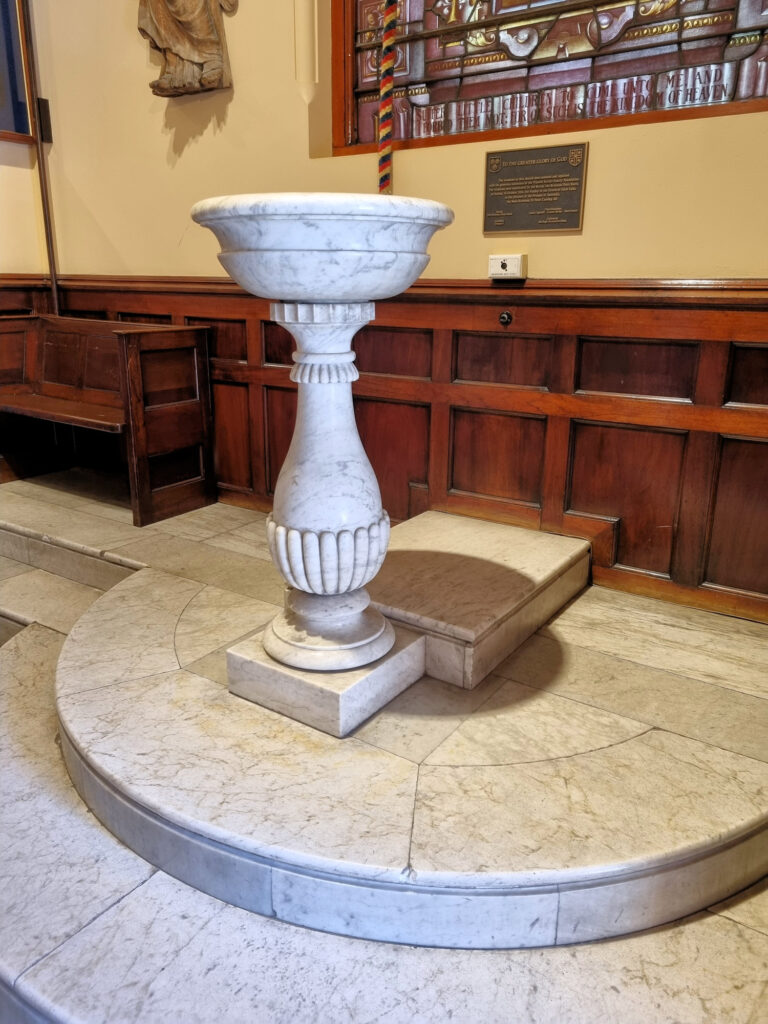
point(463, 636)
point(414, 912)
point(79, 549)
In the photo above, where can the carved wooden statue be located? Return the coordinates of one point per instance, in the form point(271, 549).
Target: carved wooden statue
point(190, 36)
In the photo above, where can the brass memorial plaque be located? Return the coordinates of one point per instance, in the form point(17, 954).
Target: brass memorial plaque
point(535, 189)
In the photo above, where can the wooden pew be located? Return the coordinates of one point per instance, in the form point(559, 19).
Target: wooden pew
point(147, 383)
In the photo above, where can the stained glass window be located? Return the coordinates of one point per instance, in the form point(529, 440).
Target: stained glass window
point(467, 66)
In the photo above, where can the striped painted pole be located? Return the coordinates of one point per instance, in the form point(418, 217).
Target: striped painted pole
point(386, 84)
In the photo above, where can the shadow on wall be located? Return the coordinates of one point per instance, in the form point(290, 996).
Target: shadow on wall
point(188, 118)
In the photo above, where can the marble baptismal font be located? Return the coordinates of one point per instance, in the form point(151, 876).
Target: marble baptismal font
point(324, 258)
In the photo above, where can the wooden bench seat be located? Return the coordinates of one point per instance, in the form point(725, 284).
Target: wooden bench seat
point(64, 410)
point(147, 383)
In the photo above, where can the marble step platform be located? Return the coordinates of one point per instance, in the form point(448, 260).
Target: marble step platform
point(475, 589)
point(463, 593)
point(73, 897)
point(506, 815)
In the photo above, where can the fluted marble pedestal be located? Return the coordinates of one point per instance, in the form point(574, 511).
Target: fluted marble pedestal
point(327, 532)
point(330, 659)
point(330, 255)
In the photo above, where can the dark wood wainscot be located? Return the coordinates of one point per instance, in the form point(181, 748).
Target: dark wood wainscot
point(147, 385)
point(631, 413)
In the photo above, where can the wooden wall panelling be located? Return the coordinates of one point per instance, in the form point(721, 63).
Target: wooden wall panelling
point(393, 350)
point(748, 378)
point(232, 432)
point(395, 436)
point(521, 359)
point(134, 317)
point(439, 420)
point(711, 373)
point(656, 369)
point(656, 360)
point(497, 455)
point(635, 475)
point(694, 514)
point(554, 482)
point(278, 345)
point(738, 548)
point(279, 421)
point(12, 352)
point(227, 338)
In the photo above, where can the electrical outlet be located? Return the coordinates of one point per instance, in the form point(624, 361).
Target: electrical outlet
point(508, 268)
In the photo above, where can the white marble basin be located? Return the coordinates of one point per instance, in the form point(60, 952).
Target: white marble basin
point(323, 246)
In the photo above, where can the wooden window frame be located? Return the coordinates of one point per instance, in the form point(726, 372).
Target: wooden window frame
point(344, 114)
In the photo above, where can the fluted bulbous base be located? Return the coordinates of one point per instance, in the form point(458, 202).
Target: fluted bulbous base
point(328, 633)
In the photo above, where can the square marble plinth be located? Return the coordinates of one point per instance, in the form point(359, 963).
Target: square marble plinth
point(335, 702)
point(476, 589)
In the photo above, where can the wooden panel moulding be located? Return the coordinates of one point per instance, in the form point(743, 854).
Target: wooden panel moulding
point(232, 450)
point(135, 317)
point(63, 359)
point(278, 345)
point(738, 550)
point(397, 351)
point(660, 369)
point(102, 369)
point(168, 376)
point(279, 421)
point(395, 436)
point(597, 411)
point(522, 360)
point(168, 468)
point(498, 455)
point(227, 338)
point(748, 382)
point(633, 475)
point(12, 356)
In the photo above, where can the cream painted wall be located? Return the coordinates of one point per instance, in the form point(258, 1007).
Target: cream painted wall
point(22, 234)
point(683, 199)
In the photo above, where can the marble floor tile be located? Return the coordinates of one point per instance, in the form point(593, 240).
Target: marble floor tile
point(75, 565)
point(9, 628)
point(40, 596)
point(418, 720)
point(71, 486)
point(715, 648)
point(187, 748)
point(129, 634)
point(167, 953)
point(10, 567)
point(215, 618)
point(705, 711)
point(58, 867)
point(250, 540)
point(650, 796)
point(749, 908)
point(518, 724)
point(208, 522)
point(201, 561)
point(13, 545)
point(56, 521)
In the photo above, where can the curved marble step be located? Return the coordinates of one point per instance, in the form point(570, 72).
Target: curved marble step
point(534, 820)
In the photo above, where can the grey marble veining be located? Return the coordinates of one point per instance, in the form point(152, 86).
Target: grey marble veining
point(322, 247)
point(44, 597)
point(673, 700)
point(128, 634)
point(58, 868)
point(714, 648)
point(11, 567)
point(167, 953)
